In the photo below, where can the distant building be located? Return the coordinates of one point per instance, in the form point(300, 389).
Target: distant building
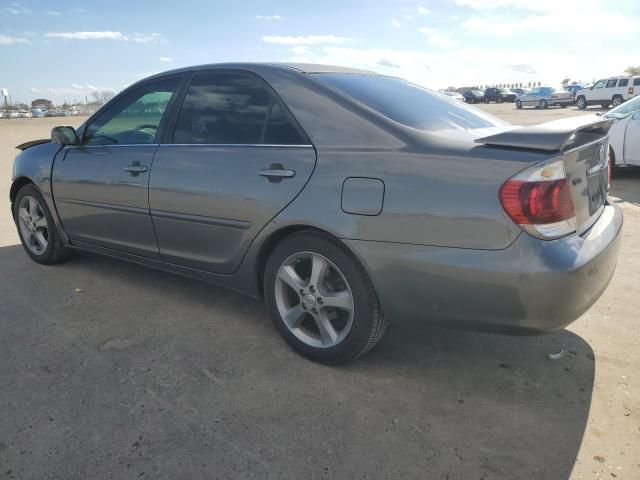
point(42, 104)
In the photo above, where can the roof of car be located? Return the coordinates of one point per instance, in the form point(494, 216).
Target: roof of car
point(300, 67)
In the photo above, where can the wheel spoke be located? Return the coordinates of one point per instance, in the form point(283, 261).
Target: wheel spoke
point(23, 215)
point(293, 317)
point(341, 300)
point(289, 276)
point(33, 208)
point(319, 268)
point(41, 222)
point(40, 240)
point(327, 332)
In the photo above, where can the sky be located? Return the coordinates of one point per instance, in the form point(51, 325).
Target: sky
point(65, 50)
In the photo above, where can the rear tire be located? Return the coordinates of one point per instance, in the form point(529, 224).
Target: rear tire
point(307, 273)
point(36, 228)
point(518, 104)
point(543, 104)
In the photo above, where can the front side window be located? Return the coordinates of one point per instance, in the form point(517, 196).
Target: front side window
point(231, 108)
point(612, 83)
point(599, 84)
point(409, 104)
point(135, 118)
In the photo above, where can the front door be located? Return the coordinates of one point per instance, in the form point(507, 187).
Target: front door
point(632, 140)
point(236, 158)
point(101, 186)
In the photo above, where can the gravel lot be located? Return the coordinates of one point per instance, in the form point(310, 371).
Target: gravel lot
point(142, 374)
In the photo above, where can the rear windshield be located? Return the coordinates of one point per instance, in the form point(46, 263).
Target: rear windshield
point(409, 104)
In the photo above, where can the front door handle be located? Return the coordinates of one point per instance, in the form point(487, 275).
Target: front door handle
point(276, 172)
point(135, 168)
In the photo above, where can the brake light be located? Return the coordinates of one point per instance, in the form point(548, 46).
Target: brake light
point(540, 201)
point(630, 90)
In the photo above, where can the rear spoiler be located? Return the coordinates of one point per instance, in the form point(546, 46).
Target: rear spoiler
point(556, 136)
point(32, 143)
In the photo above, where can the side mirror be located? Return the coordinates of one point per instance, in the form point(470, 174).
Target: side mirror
point(64, 135)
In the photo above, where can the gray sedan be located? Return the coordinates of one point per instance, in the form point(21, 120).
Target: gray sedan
point(345, 198)
point(544, 97)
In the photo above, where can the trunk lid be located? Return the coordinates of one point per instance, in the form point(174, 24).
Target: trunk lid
point(582, 144)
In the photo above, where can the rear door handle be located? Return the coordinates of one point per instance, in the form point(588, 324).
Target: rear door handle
point(276, 172)
point(135, 168)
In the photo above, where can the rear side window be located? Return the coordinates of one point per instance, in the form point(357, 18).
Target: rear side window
point(230, 108)
point(612, 83)
point(636, 82)
point(623, 82)
point(409, 104)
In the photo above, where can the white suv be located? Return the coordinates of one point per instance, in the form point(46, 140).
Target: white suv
point(614, 90)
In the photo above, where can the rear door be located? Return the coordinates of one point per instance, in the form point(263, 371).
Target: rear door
point(101, 186)
point(235, 158)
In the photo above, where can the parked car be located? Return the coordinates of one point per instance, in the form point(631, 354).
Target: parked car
point(624, 135)
point(473, 96)
point(454, 95)
point(13, 114)
point(499, 95)
point(37, 113)
point(573, 89)
point(24, 114)
point(345, 198)
point(521, 91)
point(609, 91)
point(544, 97)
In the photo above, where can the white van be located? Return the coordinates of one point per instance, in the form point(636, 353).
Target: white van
point(609, 91)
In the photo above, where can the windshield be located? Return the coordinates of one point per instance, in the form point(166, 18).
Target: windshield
point(625, 109)
point(409, 104)
point(504, 90)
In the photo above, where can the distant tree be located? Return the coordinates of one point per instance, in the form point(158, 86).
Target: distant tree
point(102, 96)
point(565, 81)
point(529, 84)
point(539, 83)
point(633, 70)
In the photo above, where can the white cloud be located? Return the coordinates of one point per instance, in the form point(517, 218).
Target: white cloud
point(395, 23)
point(435, 38)
point(17, 9)
point(108, 35)
point(166, 59)
point(7, 40)
point(423, 11)
point(303, 40)
point(299, 50)
point(269, 17)
point(53, 12)
point(73, 90)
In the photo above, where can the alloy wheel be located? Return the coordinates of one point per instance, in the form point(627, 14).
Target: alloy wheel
point(314, 299)
point(33, 225)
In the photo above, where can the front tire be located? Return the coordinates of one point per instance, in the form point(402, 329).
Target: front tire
point(581, 103)
point(321, 299)
point(36, 228)
point(543, 104)
point(518, 104)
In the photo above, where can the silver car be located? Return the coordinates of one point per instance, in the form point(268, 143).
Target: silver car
point(545, 97)
point(344, 198)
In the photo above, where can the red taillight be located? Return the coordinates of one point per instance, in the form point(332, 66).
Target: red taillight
point(537, 202)
point(630, 90)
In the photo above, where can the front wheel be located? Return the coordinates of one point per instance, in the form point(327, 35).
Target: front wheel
point(321, 299)
point(543, 104)
point(581, 103)
point(36, 227)
point(518, 104)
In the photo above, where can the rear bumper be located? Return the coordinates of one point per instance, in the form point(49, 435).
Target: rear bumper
point(533, 286)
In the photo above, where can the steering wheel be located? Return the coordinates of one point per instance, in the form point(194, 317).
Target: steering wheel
point(145, 127)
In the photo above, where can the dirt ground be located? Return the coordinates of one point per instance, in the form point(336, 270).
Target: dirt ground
point(112, 370)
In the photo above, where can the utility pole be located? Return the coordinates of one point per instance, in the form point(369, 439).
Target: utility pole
point(5, 94)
